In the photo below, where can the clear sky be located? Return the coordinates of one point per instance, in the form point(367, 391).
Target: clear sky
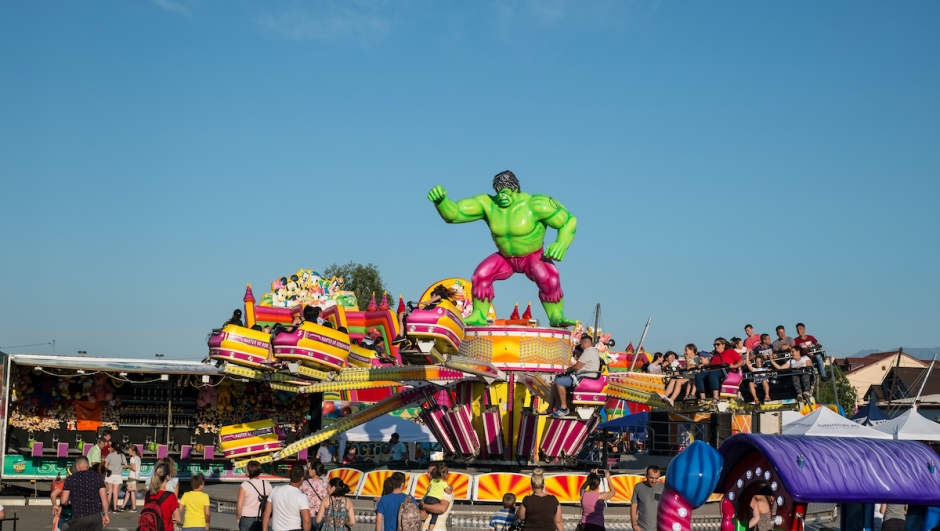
point(728, 162)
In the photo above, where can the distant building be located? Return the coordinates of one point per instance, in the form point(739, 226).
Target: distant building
point(902, 384)
point(872, 370)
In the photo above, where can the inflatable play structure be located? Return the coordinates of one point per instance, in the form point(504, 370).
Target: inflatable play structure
point(856, 473)
point(482, 384)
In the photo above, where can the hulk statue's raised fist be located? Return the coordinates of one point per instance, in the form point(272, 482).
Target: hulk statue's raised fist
point(520, 242)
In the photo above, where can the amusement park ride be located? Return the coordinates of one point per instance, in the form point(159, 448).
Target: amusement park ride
point(482, 384)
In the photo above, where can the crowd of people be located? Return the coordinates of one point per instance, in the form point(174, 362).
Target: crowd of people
point(699, 375)
point(87, 497)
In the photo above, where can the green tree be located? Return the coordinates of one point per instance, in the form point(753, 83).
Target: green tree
point(363, 280)
point(847, 393)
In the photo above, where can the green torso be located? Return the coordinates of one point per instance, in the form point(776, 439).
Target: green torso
point(516, 230)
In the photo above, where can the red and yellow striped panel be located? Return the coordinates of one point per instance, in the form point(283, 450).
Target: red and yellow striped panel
point(624, 484)
point(373, 482)
point(491, 487)
point(567, 487)
point(460, 483)
point(350, 476)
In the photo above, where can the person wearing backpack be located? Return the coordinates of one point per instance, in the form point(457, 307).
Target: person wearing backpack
point(249, 507)
point(391, 506)
point(336, 513)
point(161, 508)
point(288, 509)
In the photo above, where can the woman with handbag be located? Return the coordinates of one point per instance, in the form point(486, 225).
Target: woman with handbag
point(593, 501)
point(314, 487)
point(540, 511)
point(336, 512)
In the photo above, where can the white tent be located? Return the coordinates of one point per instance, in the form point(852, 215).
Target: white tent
point(826, 423)
point(912, 426)
point(381, 430)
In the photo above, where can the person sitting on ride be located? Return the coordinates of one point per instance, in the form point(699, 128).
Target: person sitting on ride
point(760, 378)
point(670, 361)
point(655, 366)
point(682, 386)
point(587, 365)
point(710, 380)
point(236, 319)
point(437, 294)
point(764, 349)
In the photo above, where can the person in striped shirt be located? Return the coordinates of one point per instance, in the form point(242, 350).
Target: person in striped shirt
point(505, 517)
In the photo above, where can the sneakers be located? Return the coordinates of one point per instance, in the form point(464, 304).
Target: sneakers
point(399, 340)
point(807, 396)
point(670, 401)
point(558, 413)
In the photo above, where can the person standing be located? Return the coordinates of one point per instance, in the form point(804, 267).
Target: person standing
point(133, 472)
point(894, 519)
point(593, 501)
point(336, 513)
point(115, 462)
point(540, 510)
point(314, 487)
point(398, 450)
point(288, 510)
point(195, 504)
point(324, 454)
point(159, 493)
point(86, 491)
point(248, 510)
point(94, 455)
point(386, 510)
point(645, 502)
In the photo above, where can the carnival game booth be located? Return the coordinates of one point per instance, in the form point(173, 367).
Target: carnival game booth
point(856, 473)
point(55, 407)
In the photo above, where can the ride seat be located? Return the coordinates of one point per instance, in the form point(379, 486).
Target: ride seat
point(729, 386)
point(591, 391)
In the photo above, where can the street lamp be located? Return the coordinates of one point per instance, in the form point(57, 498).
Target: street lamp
point(159, 356)
point(82, 353)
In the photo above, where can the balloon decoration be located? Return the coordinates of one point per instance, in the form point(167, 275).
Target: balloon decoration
point(693, 476)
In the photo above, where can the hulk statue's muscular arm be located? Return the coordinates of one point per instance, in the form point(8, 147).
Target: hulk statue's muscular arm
point(463, 211)
point(556, 216)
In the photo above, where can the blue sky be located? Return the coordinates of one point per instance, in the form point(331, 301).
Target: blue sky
point(728, 162)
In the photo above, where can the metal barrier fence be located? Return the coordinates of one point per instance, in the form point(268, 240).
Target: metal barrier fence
point(470, 519)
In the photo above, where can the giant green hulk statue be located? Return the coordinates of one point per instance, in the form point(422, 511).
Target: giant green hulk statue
point(517, 223)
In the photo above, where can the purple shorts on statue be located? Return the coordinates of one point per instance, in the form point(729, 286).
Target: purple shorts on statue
point(537, 268)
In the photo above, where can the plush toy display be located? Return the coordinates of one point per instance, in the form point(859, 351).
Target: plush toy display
point(208, 396)
point(224, 399)
point(101, 391)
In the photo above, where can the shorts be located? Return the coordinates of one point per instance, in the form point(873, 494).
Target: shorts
point(132, 485)
point(566, 381)
point(114, 480)
point(760, 378)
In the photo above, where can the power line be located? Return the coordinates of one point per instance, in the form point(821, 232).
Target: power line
point(33, 345)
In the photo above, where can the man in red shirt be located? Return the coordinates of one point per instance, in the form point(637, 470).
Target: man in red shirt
point(752, 339)
point(710, 380)
point(805, 342)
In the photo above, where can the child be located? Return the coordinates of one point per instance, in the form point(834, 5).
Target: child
point(436, 489)
point(504, 518)
point(196, 506)
point(760, 378)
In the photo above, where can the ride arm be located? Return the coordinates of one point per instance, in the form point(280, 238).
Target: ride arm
point(556, 216)
point(463, 211)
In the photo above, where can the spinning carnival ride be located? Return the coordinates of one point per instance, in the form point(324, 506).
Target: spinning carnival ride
point(483, 391)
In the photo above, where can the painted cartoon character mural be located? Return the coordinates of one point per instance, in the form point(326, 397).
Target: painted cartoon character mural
point(308, 288)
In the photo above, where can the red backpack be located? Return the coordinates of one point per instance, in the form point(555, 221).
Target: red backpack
point(151, 516)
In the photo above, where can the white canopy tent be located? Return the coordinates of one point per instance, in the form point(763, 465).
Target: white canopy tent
point(826, 423)
point(381, 430)
point(911, 426)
